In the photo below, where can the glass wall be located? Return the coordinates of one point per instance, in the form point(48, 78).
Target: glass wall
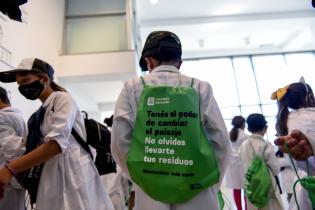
point(243, 84)
point(95, 26)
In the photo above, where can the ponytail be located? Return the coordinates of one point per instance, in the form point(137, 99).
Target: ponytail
point(53, 85)
point(282, 119)
point(234, 134)
point(237, 122)
point(57, 87)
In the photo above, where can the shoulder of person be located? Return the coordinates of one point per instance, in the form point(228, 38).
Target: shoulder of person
point(61, 98)
point(10, 113)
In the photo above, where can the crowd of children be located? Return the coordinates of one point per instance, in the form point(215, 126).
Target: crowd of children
point(67, 177)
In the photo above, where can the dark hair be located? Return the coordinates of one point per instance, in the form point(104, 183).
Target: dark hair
point(256, 122)
point(162, 59)
point(57, 87)
point(109, 121)
point(298, 95)
point(237, 122)
point(53, 84)
point(4, 96)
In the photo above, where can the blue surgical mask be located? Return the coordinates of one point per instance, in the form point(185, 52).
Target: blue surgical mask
point(32, 90)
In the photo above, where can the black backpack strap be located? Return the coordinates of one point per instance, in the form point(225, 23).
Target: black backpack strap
point(79, 139)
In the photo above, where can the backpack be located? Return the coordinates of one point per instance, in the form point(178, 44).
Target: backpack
point(170, 156)
point(257, 181)
point(29, 179)
point(98, 136)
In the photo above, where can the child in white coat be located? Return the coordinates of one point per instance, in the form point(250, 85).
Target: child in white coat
point(257, 125)
point(69, 178)
point(234, 175)
point(13, 134)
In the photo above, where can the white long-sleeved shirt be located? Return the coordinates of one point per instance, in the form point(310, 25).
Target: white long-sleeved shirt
point(13, 133)
point(212, 121)
point(304, 120)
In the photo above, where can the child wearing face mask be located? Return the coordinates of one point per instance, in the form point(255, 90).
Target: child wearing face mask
point(69, 178)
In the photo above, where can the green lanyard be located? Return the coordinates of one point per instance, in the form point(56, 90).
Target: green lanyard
point(308, 182)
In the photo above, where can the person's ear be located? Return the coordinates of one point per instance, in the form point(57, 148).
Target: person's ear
point(150, 63)
point(45, 79)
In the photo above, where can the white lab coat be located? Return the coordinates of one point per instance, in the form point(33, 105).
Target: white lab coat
point(301, 196)
point(303, 119)
point(116, 185)
point(247, 156)
point(287, 175)
point(234, 175)
point(215, 129)
point(70, 179)
point(13, 133)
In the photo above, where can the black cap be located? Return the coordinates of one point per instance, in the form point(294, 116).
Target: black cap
point(256, 122)
point(28, 64)
point(162, 44)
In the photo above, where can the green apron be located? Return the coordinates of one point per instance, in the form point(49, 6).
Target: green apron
point(170, 157)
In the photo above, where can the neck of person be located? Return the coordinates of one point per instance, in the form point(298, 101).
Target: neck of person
point(45, 94)
point(4, 105)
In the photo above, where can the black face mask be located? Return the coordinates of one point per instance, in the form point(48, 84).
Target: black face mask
point(32, 90)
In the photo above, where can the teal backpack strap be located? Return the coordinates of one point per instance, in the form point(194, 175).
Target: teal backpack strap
point(306, 182)
point(252, 148)
point(142, 80)
point(179, 79)
point(192, 82)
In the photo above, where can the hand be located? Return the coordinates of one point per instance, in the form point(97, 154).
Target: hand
point(5, 176)
point(301, 145)
point(297, 144)
point(282, 143)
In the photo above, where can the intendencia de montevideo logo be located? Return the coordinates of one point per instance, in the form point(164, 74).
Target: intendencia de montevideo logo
point(162, 100)
point(150, 101)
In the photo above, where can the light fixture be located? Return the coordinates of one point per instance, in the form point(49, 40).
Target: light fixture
point(154, 1)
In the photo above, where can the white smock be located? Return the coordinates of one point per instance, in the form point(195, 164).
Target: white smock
point(214, 126)
point(247, 156)
point(70, 179)
point(116, 185)
point(13, 133)
point(234, 175)
point(303, 119)
point(287, 175)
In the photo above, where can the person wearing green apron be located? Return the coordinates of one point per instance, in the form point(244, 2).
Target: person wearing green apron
point(187, 143)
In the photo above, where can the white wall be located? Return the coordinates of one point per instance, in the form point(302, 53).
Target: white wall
point(98, 64)
point(39, 36)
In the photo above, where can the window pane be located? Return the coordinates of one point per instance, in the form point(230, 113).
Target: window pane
point(271, 73)
point(88, 7)
point(302, 64)
point(247, 110)
point(270, 110)
point(245, 81)
point(228, 124)
point(219, 73)
point(271, 132)
point(230, 112)
point(189, 68)
point(96, 34)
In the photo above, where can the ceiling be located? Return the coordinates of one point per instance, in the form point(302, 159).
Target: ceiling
point(221, 27)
